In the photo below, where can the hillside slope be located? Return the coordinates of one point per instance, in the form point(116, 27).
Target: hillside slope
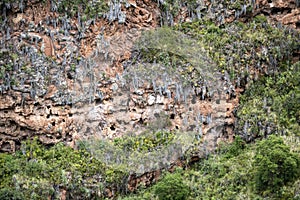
point(112, 93)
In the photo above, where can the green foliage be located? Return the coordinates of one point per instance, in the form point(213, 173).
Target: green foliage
point(180, 59)
point(8, 66)
point(146, 142)
point(233, 174)
point(141, 153)
point(271, 105)
point(275, 166)
point(233, 149)
point(238, 48)
point(36, 172)
point(174, 6)
point(9, 194)
point(223, 176)
point(88, 9)
point(267, 169)
point(260, 19)
point(171, 187)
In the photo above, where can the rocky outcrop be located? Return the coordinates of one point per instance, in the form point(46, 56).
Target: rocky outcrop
point(64, 80)
point(44, 95)
point(284, 12)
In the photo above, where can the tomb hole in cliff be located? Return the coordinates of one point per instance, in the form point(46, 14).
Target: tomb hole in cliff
point(298, 25)
point(112, 127)
point(278, 10)
point(172, 116)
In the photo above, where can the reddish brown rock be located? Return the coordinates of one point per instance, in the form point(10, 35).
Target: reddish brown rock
point(48, 48)
point(119, 109)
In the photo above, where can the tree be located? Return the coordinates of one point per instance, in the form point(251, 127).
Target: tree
point(275, 166)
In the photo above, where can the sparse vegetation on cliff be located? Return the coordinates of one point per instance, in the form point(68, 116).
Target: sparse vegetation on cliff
point(67, 59)
point(271, 105)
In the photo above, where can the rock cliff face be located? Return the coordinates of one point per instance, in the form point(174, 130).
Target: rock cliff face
point(62, 78)
point(284, 12)
point(46, 94)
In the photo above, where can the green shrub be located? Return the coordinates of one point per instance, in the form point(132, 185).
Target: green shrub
point(275, 166)
point(171, 187)
point(9, 194)
point(271, 105)
point(234, 149)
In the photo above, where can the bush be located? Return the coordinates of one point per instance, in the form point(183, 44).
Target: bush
point(276, 166)
point(8, 194)
point(233, 149)
point(171, 187)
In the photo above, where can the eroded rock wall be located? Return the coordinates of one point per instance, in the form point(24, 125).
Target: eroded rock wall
point(46, 83)
point(64, 80)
